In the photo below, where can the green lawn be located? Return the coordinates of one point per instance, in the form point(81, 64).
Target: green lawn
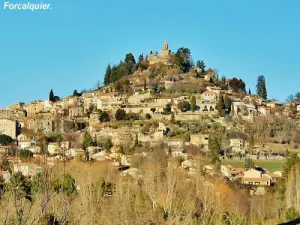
point(270, 165)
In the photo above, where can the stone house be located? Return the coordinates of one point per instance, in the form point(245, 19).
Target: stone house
point(239, 145)
point(27, 169)
point(109, 95)
point(256, 177)
point(34, 107)
point(18, 106)
point(109, 104)
point(63, 126)
point(72, 101)
point(205, 106)
point(138, 98)
point(209, 96)
point(53, 148)
point(9, 127)
point(122, 138)
point(158, 102)
point(178, 152)
point(175, 143)
point(265, 111)
point(240, 108)
point(76, 112)
point(77, 152)
point(230, 172)
point(41, 124)
point(200, 140)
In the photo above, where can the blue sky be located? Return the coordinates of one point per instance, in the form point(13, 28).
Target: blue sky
point(69, 47)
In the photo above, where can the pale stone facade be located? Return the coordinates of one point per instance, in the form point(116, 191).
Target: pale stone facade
point(255, 177)
point(200, 140)
point(34, 107)
point(76, 112)
point(27, 169)
point(8, 127)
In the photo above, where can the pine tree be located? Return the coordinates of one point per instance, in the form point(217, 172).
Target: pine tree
point(51, 96)
point(261, 89)
point(107, 77)
point(141, 59)
point(193, 103)
point(249, 92)
point(201, 65)
point(130, 63)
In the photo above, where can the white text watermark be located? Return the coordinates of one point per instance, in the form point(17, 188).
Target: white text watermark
point(27, 6)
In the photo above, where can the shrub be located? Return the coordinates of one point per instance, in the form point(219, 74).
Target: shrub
point(120, 114)
point(65, 184)
point(24, 153)
point(184, 106)
point(5, 139)
point(148, 116)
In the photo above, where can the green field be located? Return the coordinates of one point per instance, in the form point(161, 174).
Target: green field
point(270, 165)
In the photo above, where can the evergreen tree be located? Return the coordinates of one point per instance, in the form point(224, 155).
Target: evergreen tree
point(249, 164)
point(107, 77)
point(182, 58)
point(130, 63)
point(261, 89)
point(193, 103)
point(297, 97)
point(249, 92)
point(227, 104)
point(201, 65)
point(75, 93)
point(103, 116)
point(87, 140)
point(221, 106)
point(214, 147)
point(141, 59)
point(51, 96)
point(120, 114)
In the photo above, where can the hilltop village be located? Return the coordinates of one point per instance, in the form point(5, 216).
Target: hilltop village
point(164, 108)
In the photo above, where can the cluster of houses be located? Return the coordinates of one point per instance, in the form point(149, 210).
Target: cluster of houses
point(73, 114)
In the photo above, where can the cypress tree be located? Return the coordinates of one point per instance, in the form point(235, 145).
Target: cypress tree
point(51, 96)
point(221, 106)
point(107, 77)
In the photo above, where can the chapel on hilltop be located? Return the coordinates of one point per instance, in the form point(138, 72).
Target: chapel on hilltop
point(163, 57)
